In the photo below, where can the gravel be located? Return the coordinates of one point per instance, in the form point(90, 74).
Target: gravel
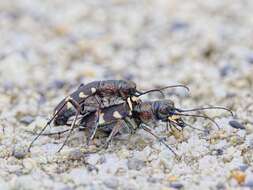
point(135, 164)
point(236, 124)
point(50, 47)
point(19, 153)
point(177, 185)
point(27, 120)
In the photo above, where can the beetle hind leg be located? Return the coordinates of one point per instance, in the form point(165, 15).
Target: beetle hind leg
point(68, 100)
point(115, 130)
point(92, 126)
point(73, 124)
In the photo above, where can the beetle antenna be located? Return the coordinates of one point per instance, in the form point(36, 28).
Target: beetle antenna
point(146, 92)
point(206, 108)
point(202, 116)
point(163, 88)
point(176, 86)
point(195, 128)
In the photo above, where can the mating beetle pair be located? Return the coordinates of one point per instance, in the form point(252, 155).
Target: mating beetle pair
point(112, 103)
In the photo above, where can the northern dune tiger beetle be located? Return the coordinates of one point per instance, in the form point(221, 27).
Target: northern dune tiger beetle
point(89, 98)
point(141, 115)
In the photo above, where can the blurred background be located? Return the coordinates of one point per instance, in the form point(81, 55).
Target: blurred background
point(49, 47)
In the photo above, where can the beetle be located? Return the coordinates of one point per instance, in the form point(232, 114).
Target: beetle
point(91, 97)
point(96, 94)
point(142, 115)
point(164, 110)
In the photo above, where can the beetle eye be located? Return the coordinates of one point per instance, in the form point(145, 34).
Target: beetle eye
point(163, 110)
point(169, 110)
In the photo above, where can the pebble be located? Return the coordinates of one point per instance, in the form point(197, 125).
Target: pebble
point(8, 85)
point(235, 140)
point(249, 141)
point(235, 124)
point(58, 84)
point(19, 152)
point(93, 159)
point(239, 176)
point(27, 119)
point(226, 70)
point(220, 186)
point(249, 184)
point(79, 176)
point(5, 153)
point(67, 188)
point(26, 182)
point(250, 58)
point(92, 168)
point(29, 164)
point(178, 25)
point(38, 123)
point(76, 155)
point(172, 178)
point(111, 183)
point(243, 167)
point(176, 185)
point(218, 152)
point(135, 164)
point(4, 185)
point(153, 179)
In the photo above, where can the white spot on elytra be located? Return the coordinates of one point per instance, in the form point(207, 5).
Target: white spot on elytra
point(82, 95)
point(68, 98)
point(93, 90)
point(101, 120)
point(69, 105)
point(117, 115)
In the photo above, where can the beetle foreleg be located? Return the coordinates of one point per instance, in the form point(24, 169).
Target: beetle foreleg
point(161, 140)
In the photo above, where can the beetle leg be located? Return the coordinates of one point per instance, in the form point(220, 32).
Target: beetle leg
point(167, 126)
point(78, 108)
point(68, 100)
point(133, 125)
point(161, 140)
point(92, 127)
point(118, 125)
point(174, 126)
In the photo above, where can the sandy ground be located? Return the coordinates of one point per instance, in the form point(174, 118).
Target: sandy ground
point(49, 47)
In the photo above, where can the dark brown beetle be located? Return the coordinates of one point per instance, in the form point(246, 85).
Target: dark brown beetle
point(141, 115)
point(95, 94)
point(165, 111)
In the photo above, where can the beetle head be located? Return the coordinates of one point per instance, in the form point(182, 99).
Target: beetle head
point(127, 88)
